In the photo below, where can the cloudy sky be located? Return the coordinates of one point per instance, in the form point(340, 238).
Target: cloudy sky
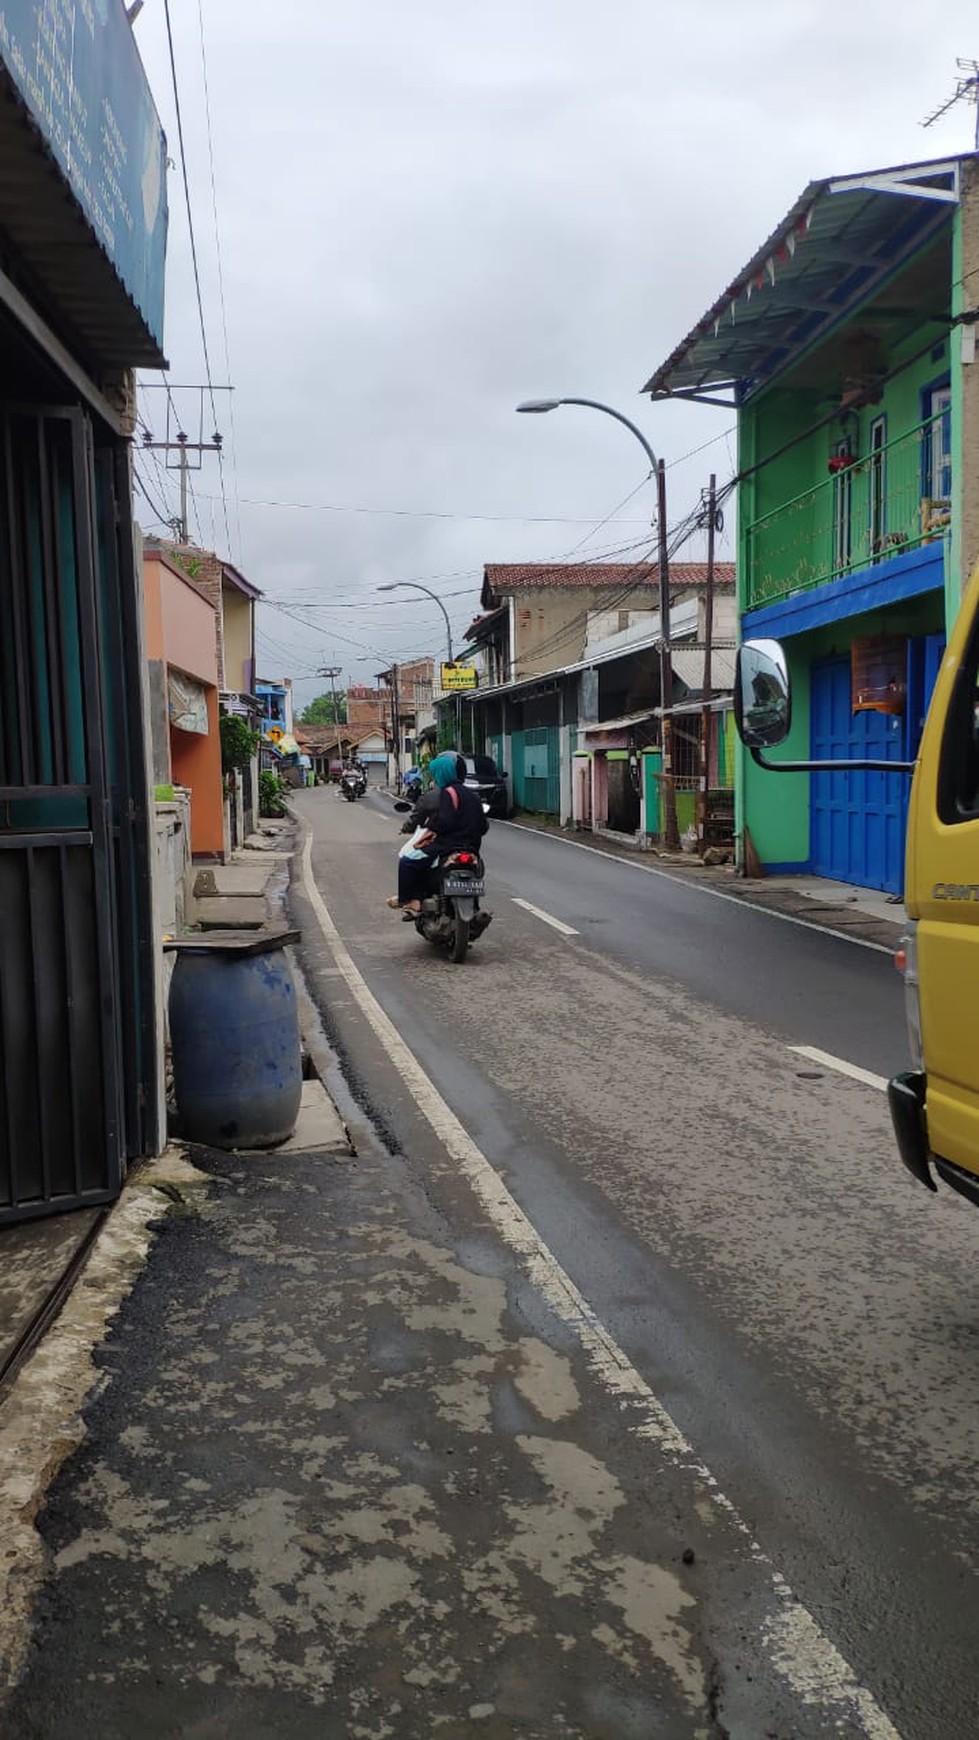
point(429, 211)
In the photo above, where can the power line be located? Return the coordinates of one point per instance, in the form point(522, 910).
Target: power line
point(611, 515)
point(322, 507)
point(194, 260)
point(221, 298)
point(346, 602)
point(190, 214)
point(164, 518)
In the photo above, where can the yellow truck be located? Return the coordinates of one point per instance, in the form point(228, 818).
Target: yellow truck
point(934, 1105)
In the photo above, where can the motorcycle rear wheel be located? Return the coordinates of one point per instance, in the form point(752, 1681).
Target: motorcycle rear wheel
point(460, 939)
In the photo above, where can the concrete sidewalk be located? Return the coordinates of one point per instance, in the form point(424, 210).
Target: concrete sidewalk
point(40, 1259)
point(345, 1474)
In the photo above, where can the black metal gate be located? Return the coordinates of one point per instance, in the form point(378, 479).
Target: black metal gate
point(74, 1016)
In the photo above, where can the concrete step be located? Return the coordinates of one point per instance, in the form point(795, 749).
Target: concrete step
point(228, 912)
point(233, 879)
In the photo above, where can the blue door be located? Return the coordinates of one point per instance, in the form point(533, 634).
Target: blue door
point(857, 820)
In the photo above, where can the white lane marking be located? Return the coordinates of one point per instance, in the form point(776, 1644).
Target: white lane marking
point(565, 929)
point(841, 1066)
point(700, 888)
point(798, 1651)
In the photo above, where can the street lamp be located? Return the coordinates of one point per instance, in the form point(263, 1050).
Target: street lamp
point(392, 586)
point(538, 406)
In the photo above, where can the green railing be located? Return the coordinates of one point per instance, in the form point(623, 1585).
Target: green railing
point(874, 506)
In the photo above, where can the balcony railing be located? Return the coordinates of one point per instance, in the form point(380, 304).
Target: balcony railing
point(872, 507)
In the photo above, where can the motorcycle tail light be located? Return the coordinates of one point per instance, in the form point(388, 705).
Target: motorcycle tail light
point(465, 857)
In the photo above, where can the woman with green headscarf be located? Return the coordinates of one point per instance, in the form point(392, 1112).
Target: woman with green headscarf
point(458, 824)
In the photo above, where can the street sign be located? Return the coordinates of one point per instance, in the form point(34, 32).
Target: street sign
point(456, 677)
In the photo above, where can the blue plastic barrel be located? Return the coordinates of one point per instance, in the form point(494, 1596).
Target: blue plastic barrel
point(234, 1035)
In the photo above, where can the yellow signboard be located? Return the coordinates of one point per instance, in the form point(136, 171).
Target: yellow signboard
point(456, 677)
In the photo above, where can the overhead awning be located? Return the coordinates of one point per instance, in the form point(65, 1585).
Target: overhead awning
point(628, 722)
point(841, 247)
point(91, 260)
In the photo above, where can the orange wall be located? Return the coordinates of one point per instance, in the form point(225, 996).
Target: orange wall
point(196, 762)
point(180, 623)
point(180, 632)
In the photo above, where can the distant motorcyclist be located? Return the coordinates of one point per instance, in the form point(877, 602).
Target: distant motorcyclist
point(454, 821)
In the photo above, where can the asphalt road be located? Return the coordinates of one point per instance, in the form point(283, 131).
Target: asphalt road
point(735, 1216)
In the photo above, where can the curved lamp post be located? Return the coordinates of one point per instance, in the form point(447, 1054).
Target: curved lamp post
point(392, 586)
point(537, 406)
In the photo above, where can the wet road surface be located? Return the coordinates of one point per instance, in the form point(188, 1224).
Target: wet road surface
point(736, 1216)
point(620, 1385)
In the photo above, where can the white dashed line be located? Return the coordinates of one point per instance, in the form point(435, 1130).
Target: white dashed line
point(853, 1070)
point(565, 929)
point(860, 942)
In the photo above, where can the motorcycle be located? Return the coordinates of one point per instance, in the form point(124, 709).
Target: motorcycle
point(451, 916)
point(352, 784)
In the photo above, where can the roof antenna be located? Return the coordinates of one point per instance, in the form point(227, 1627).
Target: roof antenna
point(966, 91)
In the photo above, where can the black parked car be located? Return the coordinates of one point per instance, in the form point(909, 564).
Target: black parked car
point(483, 776)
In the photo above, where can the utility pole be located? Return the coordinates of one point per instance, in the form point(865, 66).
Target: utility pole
point(396, 721)
point(333, 671)
point(706, 709)
point(180, 444)
point(671, 833)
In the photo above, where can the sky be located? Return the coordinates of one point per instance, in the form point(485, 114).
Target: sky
point(410, 217)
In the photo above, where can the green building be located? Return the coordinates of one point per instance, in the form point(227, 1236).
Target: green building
point(846, 347)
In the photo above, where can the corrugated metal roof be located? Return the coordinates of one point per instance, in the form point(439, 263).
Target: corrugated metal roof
point(842, 240)
point(688, 665)
point(590, 727)
point(71, 278)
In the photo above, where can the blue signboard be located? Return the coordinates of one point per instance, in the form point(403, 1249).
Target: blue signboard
point(78, 69)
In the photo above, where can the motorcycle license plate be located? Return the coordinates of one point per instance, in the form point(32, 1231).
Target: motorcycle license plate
point(463, 886)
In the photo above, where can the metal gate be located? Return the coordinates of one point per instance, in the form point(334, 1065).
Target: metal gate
point(858, 819)
point(536, 770)
point(73, 1016)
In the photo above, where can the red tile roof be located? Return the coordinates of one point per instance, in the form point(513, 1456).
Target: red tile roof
point(499, 579)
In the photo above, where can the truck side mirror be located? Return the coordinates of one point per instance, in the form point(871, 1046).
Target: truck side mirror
point(762, 694)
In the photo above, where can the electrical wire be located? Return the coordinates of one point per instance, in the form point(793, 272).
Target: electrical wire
point(193, 252)
point(164, 519)
point(190, 214)
point(322, 507)
point(345, 603)
point(221, 298)
point(610, 516)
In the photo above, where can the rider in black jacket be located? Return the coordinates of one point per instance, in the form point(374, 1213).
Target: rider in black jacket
point(454, 821)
